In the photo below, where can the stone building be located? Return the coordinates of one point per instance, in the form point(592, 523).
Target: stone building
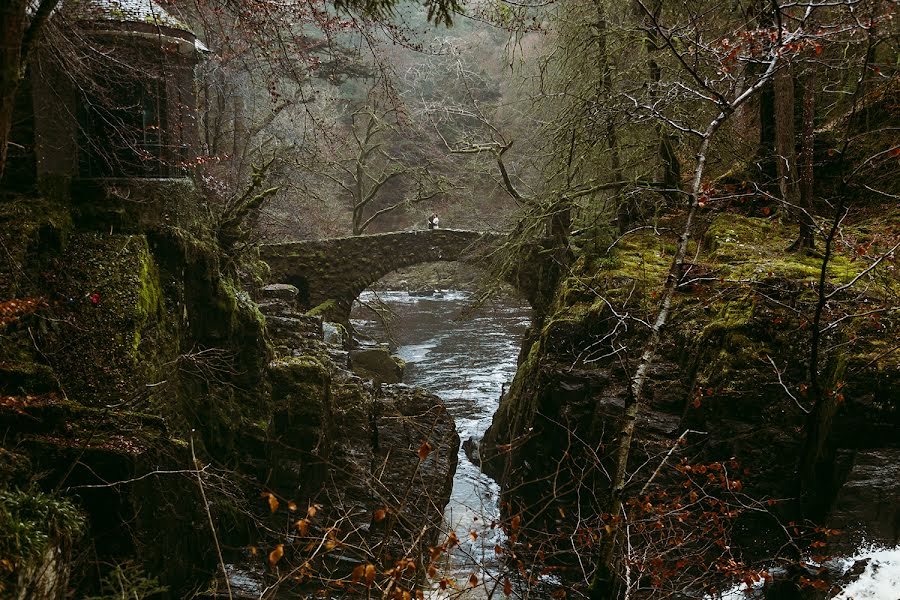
point(111, 95)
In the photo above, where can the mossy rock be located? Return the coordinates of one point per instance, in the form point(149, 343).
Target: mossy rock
point(30, 227)
point(326, 310)
point(745, 248)
point(27, 378)
point(109, 334)
point(377, 364)
point(300, 400)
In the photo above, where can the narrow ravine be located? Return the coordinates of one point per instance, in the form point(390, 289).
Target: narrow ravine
point(467, 361)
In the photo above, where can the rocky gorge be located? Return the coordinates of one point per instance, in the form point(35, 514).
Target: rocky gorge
point(727, 407)
point(190, 422)
point(155, 378)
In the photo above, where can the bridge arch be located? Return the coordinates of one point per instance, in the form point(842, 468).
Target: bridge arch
point(332, 273)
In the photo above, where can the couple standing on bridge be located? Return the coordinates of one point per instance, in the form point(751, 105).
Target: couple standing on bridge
point(433, 221)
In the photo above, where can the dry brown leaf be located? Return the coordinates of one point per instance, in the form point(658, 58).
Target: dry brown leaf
point(273, 501)
point(276, 554)
point(473, 535)
point(358, 573)
point(424, 450)
point(370, 574)
point(473, 580)
point(292, 506)
point(302, 526)
point(312, 510)
point(380, 514)
point(507, 587)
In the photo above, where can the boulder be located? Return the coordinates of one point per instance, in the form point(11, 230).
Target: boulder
point(333, 334)
point(377, 364)
point(472, 450)
point(280, 291)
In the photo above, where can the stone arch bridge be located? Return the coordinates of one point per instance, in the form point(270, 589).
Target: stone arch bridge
point(332, 273)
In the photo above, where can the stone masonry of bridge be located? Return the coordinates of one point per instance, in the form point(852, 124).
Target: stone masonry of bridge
point(331, 273)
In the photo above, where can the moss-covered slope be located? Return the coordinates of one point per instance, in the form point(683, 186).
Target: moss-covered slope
point(732, 370)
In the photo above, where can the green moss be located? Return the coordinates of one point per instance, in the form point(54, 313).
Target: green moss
point(748, 249)
point(527, 372)
point(29, 225)
point(27, 377)
point(643, 256)
point(121, 335)
point(30, 522)
point(323, 309)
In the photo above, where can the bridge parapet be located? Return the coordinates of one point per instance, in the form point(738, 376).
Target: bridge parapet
point(339, 269)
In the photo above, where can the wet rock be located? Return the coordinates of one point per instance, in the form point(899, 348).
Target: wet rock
point(278, 308)
point(417, 440)
point(472, 450)
point(868, 504)
point(333, 334)
point(280, 291)
point(352, 447)
point(377, 364)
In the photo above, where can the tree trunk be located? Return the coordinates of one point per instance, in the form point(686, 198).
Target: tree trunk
point(816, 465)
point(760, 12)
point(624, 210)
point(669, 164)
point(806, 237)
point(603, 586)
point(785, 141)
point(12, 30)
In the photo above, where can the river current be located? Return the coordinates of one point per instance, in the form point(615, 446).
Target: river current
point(466, 360)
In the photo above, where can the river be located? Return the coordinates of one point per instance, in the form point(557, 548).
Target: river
point(467, 361)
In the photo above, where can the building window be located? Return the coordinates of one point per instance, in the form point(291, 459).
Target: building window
point(123, 131)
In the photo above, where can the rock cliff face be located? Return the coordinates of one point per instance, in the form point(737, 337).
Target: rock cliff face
point(729, 382)
point(378, 459)
point(131, 354)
